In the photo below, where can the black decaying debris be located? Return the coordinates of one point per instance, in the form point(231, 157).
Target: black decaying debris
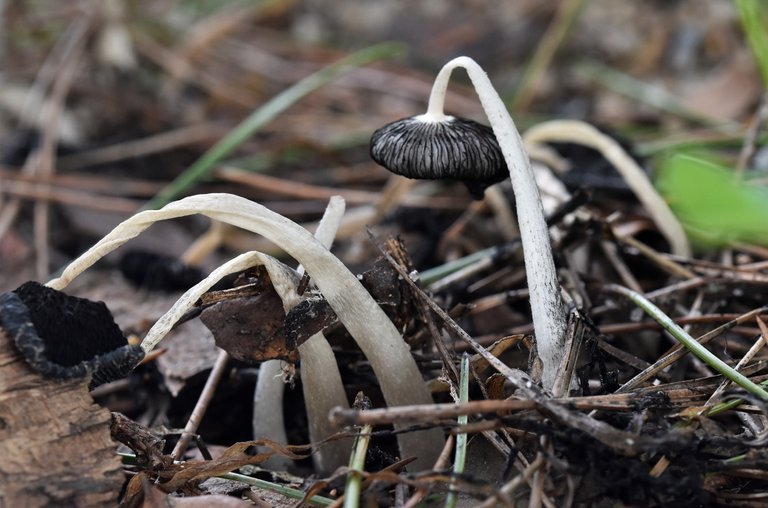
point(149, 270)
point(451, 149)
point(64, 336)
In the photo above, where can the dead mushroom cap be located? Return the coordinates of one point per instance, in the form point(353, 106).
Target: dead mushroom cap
point(448, 148)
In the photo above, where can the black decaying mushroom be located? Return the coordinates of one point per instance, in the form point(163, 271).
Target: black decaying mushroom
point(441, 147)
point(66, 337)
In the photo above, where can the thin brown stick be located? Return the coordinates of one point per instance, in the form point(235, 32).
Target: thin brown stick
point(679, 351)
point(663, 262)
point(108, 185)
point(219, 367)
point(162, 142)
point(308, 191)
point(525, 386)
point(756, 347)
point(440, 463)
point(66, 50)
point(23, 190)
point(46, 155)
point(617, 328)
point(753, 132)
point(611, 252)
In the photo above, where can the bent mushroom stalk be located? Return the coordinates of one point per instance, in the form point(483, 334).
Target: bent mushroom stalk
point(389, 356)
point(435, 145)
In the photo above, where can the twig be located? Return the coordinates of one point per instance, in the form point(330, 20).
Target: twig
point(689, 342)
point(665, 263)
point(156, 143)
point(45, 157)
point(24, 190)
point(756, 347)
point(440, 463)
point(679, 351)
point(190, 429)
point(600, 431)
point(611, 252)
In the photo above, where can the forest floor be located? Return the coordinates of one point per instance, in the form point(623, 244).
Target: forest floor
point(110, 108)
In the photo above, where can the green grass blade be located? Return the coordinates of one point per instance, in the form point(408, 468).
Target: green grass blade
point(461, 439)
point(689, 342)
point(266, 113)
point(754, 21)
point(357, 464)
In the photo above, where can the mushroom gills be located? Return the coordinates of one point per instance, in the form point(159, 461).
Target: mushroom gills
point(441, 148)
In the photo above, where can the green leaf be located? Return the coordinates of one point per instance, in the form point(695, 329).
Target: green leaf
point(716, 207)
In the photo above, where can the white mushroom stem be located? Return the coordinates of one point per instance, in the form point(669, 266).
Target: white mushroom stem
point(547, 309)
point(573, 131)
point(320, 376)
point(389, 356)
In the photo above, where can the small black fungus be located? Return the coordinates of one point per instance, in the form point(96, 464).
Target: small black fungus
point(449, 149)
point(148, 270)
point(63, 336)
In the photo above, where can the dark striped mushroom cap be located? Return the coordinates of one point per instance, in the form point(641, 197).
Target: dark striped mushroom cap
point(448, 148)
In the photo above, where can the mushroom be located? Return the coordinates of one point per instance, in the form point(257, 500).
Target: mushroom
point(439, 147)
point(435, 145)
point(401, 381)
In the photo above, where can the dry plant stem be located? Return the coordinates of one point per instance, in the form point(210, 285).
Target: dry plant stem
point(142, 147)
point(441, 414)
point(679, 351)
point(556, 33)
point(441, 463)
point(108, 185)
point(190, 429)
point(510, 487)
point(390, 358)
point(756, 347)
point(691, 344)
point(611, 252)
point(61, 55)
point(600, 431)
point(579, 132)
point(205, 244)
point(46, 156)
point(18, 190)
point(663, 262)
point(546, 304)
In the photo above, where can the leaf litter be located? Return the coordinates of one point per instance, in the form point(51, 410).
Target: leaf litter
point(639, 427)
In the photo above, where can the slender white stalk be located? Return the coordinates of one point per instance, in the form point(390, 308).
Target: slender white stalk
point(548, 312)
point(389, 356)
point(574, 131)
point(320, 376)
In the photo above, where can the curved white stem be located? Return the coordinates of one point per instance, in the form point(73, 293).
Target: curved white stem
point(574, 131)
point(320, 376)
point(548, 312)
point(389, 356)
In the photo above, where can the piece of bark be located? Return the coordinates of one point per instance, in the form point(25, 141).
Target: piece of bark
point(54, 441)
